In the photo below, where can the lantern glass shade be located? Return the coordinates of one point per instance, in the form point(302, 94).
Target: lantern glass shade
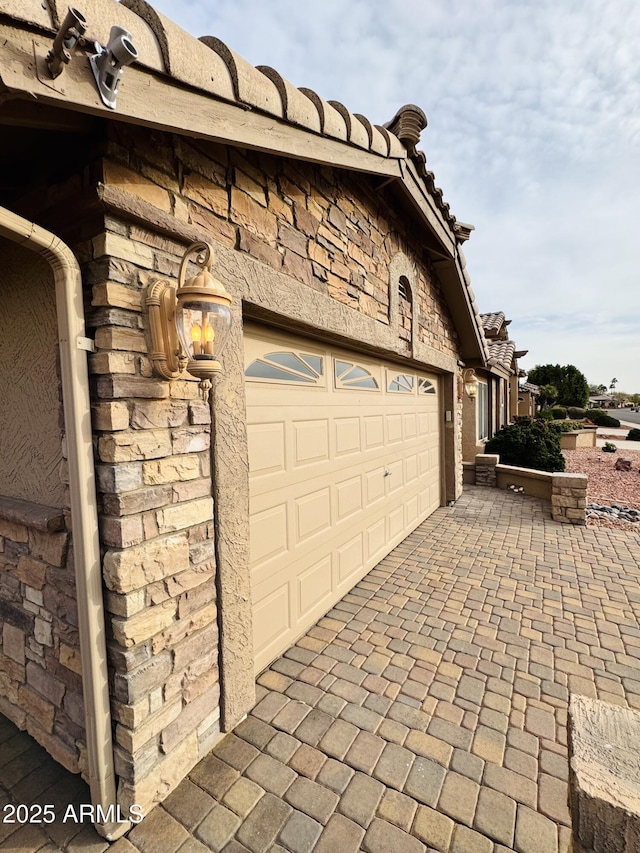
point(203, 326)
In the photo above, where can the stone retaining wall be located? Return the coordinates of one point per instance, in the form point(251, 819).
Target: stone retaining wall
point(566, 492)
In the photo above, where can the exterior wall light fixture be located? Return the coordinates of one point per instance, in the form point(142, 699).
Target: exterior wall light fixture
point(470, 382)
point(189, 325)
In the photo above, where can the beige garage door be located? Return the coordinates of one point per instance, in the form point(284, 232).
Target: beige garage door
point(344, 459)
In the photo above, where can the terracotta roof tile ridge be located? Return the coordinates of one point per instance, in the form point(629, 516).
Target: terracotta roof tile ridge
point(145, 11)
point(224, 53)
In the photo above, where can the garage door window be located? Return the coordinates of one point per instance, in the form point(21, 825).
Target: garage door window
point(425, 386)
point(351, 375)
point(401, 383)
point(288, 367)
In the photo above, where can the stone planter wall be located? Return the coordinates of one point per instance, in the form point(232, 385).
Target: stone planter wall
point(566, 492)
point(578, 438)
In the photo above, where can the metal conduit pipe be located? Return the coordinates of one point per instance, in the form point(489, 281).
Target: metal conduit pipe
point(84, 513)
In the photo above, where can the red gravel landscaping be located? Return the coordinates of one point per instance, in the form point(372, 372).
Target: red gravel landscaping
point(606, 485)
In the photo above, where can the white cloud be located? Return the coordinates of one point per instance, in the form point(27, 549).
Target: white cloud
point(534, 131)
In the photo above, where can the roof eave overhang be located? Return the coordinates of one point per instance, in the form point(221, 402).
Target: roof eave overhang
point(152, 100)
point(149, 99)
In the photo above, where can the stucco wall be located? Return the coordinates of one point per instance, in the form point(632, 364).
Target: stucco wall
point(470, 444)
point(30, 409)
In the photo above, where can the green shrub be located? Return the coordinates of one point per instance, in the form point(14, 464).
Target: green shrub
point(566, 426)
point(559, 413)
point(528, 444)
point(602, 419)
point(634, 435)
point(575, 413)
point(609, 447)
point(545, 414)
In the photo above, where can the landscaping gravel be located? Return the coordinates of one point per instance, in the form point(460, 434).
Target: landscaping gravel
point(606, 486)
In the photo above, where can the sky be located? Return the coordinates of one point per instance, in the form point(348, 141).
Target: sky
point(534, 137)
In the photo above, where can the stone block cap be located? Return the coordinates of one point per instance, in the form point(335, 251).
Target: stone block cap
point(605, 775)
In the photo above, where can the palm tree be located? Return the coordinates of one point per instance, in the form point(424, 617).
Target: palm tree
point(548, 393)
point(614, 382)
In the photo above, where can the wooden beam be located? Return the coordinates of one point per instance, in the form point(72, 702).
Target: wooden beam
point(147, 99)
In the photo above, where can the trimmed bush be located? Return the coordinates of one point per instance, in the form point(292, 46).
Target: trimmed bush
point(545, 414)
point(559, 413)
point(528, 444)
point(575, 413)
point(602, 419)
point(566, 426)
point(634, 435)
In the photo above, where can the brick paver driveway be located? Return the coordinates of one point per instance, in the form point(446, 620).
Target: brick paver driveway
point(428, 709)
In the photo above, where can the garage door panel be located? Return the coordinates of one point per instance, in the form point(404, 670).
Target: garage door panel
point(394, 428)
point(396, 522)
point(266, 448)
point(375, 539)
point(423, 500)
point(312, 513)
point(411, 511)
point(272, 619)
point(411, 469)
point(347, 433)
point(424, 462)
point(395, 476)
point(314, 586)
point(268, 534)
point(424, 425)
point(410, 426)
point(310, 441)
point(348, 497)
point(323, 513)
point(350, 559)
point(373, 431)
point(374, 486)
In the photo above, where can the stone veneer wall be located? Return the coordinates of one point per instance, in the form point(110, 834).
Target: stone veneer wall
point(40, 666)
point(326, 228)
point(329, 231)
point(156, 527)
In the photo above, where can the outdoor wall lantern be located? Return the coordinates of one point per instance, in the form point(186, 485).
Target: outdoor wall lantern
point(470, 381)
point(189, 326)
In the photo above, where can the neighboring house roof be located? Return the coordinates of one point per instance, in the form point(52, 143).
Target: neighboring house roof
point(601, 398)
point(501, 354)
point(492, 323)
point(202, 88)
point(530, 387)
